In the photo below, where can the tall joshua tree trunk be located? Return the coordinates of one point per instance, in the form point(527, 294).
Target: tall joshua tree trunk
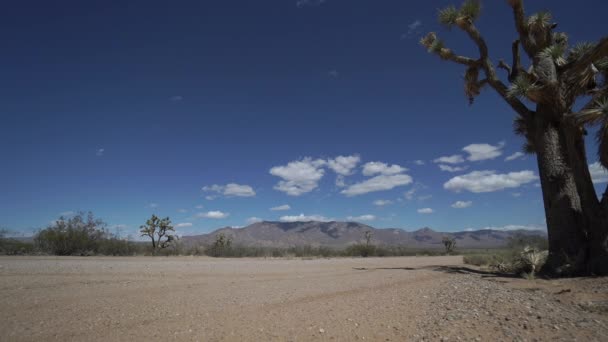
point(577, 220)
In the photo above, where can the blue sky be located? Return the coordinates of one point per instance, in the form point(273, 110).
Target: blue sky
point(214, 112)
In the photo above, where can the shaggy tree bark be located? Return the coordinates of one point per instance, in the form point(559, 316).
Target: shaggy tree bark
point(577, 220)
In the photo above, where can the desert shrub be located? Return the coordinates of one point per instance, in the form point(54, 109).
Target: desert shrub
point(82, 235)
point(526, 260)
point(361, 250)
point(119, 247)
point(222, 247)
point(519, 241)
point(77, 235)
point(478, 259)
point(10, 246)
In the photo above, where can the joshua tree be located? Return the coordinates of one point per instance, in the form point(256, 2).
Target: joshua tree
point(449, 244)
point(368, 238)
point(157, 229)
point(543, 96)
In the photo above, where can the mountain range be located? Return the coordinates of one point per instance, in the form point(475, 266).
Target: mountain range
point(341, 234)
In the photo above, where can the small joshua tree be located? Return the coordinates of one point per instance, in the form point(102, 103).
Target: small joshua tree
point(368, 238)
point(449, 244)
point(221, 244)
point(158, 231)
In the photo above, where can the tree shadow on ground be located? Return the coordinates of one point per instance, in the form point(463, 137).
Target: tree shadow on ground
point(384, 268)
point(468, 270)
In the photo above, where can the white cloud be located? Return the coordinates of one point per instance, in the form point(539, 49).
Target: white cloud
point(344, 165)
point(516, 194)
point(382, 203)
point(100, 152)
point(479, 152)
point(214, 214)
point(513, 227)
point(425, 211)
point(299, 177)
point(598, 173)
point(303, 3)
point(424, 197)
point(183, 225)
point(367, 217)
point(67, 213)
point(409, 195)
point(237, 190)
point(210, 197)
point(231, 190)
point(304, 218)
point(514, 156)
point(183, 211)
point(412, 29)
point(281, 208)
point(372, 168)
point(455, 159)
point(489, 181)
point(200, 206)
point(462, 204)
point(378, 183)
point(254, 219)
point(419, 162)
point(449, 168)
point(414, 25)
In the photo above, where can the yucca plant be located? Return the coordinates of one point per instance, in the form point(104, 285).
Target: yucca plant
point(555, 53)
point(524, 88)
point(532, 259)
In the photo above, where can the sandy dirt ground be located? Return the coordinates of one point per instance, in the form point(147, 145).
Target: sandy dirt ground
point(205, 299)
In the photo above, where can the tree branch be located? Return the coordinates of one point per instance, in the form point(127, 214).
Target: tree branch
point(516, 104)
point(434, 45)
point(599, 51)
point(520, 24)
point(488, 67)
point(503, 65)
point(474, 34)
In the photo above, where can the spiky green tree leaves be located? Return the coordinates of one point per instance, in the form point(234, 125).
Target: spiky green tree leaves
point(158, 230)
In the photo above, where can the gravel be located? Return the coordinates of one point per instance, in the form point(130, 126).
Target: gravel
point(205, 299)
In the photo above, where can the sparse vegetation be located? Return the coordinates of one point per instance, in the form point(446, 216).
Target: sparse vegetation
point(525, 256)
point(222, 247)
point(82, 235)
point(10, 246)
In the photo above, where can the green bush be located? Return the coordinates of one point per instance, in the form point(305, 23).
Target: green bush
point(524, 260)
point(10, 246)
point(82, 235)
point(478, 259)
point(362, 250)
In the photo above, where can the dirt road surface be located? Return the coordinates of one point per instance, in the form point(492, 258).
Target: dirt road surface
point(205, 299)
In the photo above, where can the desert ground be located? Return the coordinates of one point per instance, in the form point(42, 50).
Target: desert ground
point(205, 299)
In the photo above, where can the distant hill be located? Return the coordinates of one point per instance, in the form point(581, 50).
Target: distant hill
point(341, 234)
